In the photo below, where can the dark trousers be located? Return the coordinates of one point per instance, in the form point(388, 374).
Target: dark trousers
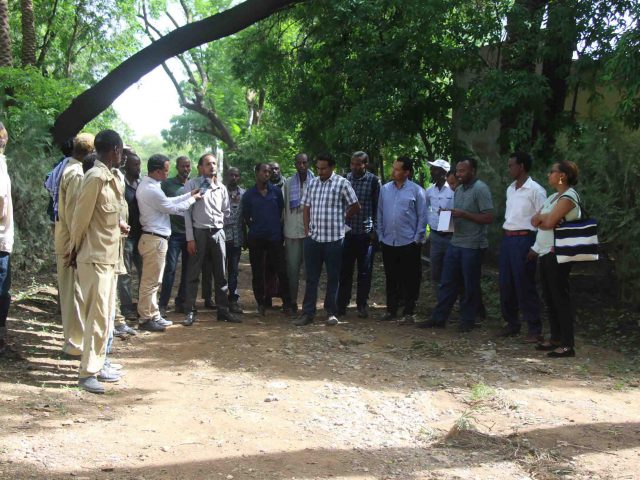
point(403, 272)
point(131, 258)
point(315, 254)
point(356, 248)
point(462, 268)
point(211, 247)
point(262, 251)
point(438, 244)
point(5, 286)
point(518, 284)
point(177, 248)
point(207, 282)
point(554, 277)
point(233, 264)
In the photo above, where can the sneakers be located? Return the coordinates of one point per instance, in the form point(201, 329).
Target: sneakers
point(363, 311)
point(124, 329)
point(407, 320)
point(332, 320)
point(163, 321)
point(228, 317)
point(108, 376)
point(189, 319)
point(151, 325)
point(90, 384)
point(302, 320)
point(112, 366)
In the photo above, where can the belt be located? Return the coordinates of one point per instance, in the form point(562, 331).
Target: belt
point(165, 237)
point(442, 234)
point(518, 233)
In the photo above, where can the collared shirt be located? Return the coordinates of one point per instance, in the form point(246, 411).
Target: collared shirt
point(522, 204)
point(437, 199)
point(172, 187)
point(473, 198)
point(294, 218)
point(68, 190)
point(95, 229)
point(367, 190)
point(402, 214)
point(233, 223)
point(6, 208)
point(211, 211)
point(328, 201)
point(155, 207)
point(262, 213)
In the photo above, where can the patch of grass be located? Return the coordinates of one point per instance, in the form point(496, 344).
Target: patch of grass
point(481, 391)
point(433, 349)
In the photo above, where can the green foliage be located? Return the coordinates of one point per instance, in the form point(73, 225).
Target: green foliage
point(607, 155)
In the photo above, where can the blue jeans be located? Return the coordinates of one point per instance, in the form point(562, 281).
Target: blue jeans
point(233, 262)
point(177, 245)
point(462, 267)
point(315, 254)
point(131, 258)
point(356, 248)
point(5, 285)
point(518, 284)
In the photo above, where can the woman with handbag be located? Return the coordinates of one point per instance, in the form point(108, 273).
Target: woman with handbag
point(564, 205)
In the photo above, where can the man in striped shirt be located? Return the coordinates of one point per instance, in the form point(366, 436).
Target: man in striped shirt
point(328, 202)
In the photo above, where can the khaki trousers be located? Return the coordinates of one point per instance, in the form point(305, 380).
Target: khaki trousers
point(96, 283)
point(153, 251)
point(70, 307)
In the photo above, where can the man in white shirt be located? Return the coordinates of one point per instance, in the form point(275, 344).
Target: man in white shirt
point(518, 274)
point(155, 208)
point(439, 197)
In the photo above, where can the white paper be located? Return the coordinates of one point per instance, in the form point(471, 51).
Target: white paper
point(445, 223)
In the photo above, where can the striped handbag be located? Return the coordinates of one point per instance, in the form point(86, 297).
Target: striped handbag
point(577, 241)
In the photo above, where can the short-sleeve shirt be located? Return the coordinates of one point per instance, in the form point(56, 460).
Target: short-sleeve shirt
point(545, 238)
point(437, 199)
point(328, 201)
point(472, 198)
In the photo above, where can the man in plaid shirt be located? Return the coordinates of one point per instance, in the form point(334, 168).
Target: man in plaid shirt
point(359, 241)
point(328, 202)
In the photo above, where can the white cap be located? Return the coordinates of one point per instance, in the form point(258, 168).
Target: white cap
point(443, 164)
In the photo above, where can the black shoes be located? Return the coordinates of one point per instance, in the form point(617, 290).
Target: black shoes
point(189, 319)
point(151, 325)
point(363, 312)
point(234, 307)
point(430, 324)
point(562, 352)
point(304, 319)
point(228, 317)
point(507, 332)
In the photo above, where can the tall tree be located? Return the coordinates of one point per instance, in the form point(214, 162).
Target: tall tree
point(28, 33)
point(6, 58)
point(97, 98)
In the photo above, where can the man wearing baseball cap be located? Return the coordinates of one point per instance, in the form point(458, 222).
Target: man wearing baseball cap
point(439, 197)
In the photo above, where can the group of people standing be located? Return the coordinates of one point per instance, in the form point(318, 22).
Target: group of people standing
point(108, 221)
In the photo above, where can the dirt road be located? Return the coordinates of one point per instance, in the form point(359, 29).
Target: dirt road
point(266, 400)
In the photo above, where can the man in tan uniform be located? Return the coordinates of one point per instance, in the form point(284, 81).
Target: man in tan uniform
point(95, 249)
point(68, 287)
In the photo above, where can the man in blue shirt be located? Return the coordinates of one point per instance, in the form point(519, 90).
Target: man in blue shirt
point(359, 240)
point(402, 221)
point(262, 207)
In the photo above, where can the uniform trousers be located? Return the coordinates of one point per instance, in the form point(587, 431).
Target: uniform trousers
point(70, 304)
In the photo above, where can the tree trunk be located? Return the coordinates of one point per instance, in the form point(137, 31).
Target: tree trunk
point(96, 99)
point(560, 41)
point(520, 54)
point(6, 59)
point(28, 33)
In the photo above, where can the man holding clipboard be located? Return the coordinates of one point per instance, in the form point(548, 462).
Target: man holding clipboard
point(439, 203)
